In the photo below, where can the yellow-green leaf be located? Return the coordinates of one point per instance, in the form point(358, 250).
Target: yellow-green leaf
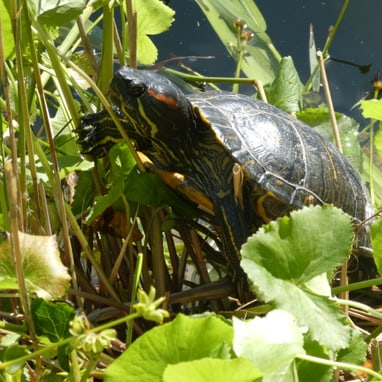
point(153, 17)
point(9, 46)
point(44, 273)
point(372, 108)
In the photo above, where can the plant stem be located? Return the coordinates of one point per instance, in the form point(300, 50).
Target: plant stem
point(24, 120)
point(109, 109)
point(55, 345)
point(339, 365)
point(360, 306)
point(16, 250)
point(329, 102)
point(75, 367)
point(106, 69)
point(159, 266)
point(137, 274)
point(132, 33)
point(356, 286)
point(371, 163)
point(90, 366)
point(222, 80)
point(56, 181)
point(89, 255)
point(334, 30)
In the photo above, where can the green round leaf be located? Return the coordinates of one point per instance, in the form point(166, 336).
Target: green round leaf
point(372, 108)
point(52, 318)
point(285, 262)
point(268, 342)
point(153, 17)
point(211, 369)
point(41, 264)
point(183, 339)
point(311, 241)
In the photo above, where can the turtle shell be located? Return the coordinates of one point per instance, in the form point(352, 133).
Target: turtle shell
point(292, 164)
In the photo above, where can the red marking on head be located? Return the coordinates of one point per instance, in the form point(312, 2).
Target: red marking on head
point(170, 102)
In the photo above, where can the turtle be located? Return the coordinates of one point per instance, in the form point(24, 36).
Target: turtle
point(207, 137)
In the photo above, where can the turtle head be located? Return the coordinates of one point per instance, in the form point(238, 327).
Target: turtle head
point(155, 107)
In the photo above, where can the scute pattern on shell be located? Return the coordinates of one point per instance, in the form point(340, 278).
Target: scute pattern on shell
point(282, 154)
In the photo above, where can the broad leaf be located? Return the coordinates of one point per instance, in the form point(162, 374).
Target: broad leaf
point(52, 319)
point(41, 264)
point(378, 140)
point(284, 256)
point(9, 47)
point(103, 202)
point(313, 63)
point(184, 339)
point(149, 189)
point(84, 192)
point(122, 163)
point(286, 90)
point(356, 352)
point(153, 17)
point(315, 372)
point(7, 282)
point(143, 188)
point(212, 369)
point(311, 371)
point(55, 12)
point(311, 241)
point(71, 163)
point(11, 353)
point(372, 108)
point(270, 342)
point(316, 116)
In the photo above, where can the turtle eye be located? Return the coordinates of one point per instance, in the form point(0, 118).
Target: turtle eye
point(135, 88)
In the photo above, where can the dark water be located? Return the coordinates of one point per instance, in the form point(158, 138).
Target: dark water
point(359, 40)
